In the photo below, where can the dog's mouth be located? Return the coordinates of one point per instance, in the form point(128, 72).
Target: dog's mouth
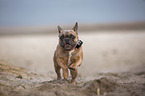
point(67, 46)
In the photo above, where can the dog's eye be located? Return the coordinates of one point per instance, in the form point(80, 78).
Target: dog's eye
point(72, 36)
point(61, 37)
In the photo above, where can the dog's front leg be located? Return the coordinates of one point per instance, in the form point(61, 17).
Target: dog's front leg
point(65, 73)
point(64, 67)
point(73, 69)
point(62, 64)
point(74, 74)
point(74, 65)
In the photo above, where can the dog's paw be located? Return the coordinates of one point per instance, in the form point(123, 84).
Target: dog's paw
point(58, 78)
point(71, 68)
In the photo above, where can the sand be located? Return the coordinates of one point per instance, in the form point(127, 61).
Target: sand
point(16, 81)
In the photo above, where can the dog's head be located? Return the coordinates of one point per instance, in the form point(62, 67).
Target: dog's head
point(68, 38)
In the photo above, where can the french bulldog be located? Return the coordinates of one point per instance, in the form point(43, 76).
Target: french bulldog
point(68, 54)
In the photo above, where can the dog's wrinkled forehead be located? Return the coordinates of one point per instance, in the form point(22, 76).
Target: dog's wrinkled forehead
point(67, 32)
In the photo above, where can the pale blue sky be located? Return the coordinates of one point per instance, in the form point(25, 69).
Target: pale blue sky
point(51, 12)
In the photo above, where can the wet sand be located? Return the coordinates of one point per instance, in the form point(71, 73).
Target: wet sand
point(113, 65)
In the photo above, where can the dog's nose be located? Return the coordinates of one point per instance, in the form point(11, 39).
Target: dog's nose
point(67, 40)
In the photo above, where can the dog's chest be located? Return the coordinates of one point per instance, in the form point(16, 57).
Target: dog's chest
point(69, 57)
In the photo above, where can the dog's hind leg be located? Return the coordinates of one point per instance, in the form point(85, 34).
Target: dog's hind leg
point(65, 73)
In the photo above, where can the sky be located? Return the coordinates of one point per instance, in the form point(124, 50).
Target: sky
point(51, 12)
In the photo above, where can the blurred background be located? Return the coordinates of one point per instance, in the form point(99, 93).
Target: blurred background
point(113, 32)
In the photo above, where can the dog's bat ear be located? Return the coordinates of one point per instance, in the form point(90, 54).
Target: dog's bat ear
point(75, 28)
point(59, 29)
